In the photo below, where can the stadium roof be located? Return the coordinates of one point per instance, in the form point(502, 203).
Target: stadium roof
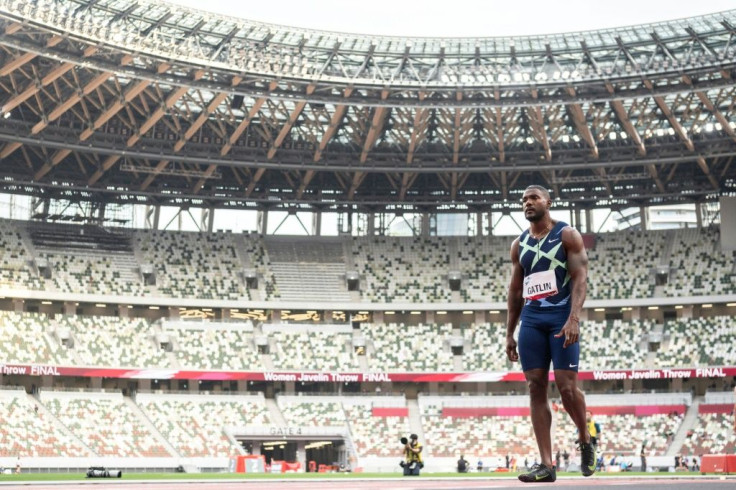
point(139, 101)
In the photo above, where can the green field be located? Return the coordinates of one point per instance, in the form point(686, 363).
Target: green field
point(26, 477)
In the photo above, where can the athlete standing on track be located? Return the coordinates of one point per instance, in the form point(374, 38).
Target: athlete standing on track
point(546, 292)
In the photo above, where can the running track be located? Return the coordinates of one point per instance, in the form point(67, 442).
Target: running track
point(576, 483)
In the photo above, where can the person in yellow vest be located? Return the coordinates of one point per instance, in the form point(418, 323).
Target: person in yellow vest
point(594, 428)
point(412, 455)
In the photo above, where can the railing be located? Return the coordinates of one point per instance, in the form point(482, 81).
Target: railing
point(294, 53)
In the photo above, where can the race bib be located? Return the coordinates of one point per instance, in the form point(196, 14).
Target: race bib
point(540, 285)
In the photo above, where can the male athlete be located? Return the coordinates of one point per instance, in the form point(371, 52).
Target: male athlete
point(546, 292)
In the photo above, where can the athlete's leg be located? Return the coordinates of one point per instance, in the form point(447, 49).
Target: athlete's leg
point(565, 361)
point(538, 382)
point(573, 400)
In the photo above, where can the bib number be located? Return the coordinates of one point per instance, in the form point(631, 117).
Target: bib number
point(540, 285)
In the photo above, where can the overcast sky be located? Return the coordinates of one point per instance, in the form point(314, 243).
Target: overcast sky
point(469, 18)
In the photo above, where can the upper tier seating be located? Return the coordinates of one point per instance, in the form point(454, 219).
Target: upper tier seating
point(87, 259)
point(113, 341)
point(484, 340)
point(313, 350)
point(192, 265)
point(392, 269)
point(257, 256)
point(485, 266)
point(26, 340)
point(698, 342)
point(402, 269)
point(409, 347)
point(15, 261)
point(614, 344)
point(620, 265)
point(216, 348)
point(698, 265)
point(308, 269)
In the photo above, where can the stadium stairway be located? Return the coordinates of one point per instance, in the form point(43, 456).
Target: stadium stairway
point(147, 422)
point(277, 417)
point(59, 425)
point(688, 423)
point(415, 420)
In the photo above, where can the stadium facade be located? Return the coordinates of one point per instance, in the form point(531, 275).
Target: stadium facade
point(111, 103)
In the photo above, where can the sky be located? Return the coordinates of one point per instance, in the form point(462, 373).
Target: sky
point(460, 18)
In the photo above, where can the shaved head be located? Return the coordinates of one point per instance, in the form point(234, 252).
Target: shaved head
point(541, 189)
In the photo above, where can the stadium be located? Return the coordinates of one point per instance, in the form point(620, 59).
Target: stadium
point(234, 246)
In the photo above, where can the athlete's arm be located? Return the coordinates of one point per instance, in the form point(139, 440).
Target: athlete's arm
point(514, 301)
point(577, 267)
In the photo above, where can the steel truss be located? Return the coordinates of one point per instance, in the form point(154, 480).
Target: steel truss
point(131, 101)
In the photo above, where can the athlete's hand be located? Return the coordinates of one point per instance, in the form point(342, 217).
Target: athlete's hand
point(511, 352)
point(571, 331)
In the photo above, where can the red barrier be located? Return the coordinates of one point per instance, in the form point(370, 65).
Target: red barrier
point(471, 412)
point(713, 463)
point(250, 464)
point(731, 463)
point(390, 412)
point(715, 408)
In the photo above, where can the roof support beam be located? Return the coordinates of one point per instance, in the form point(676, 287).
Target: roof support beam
point(203, 116)
point(243, 125)
point(53, 162)
point(456, 130)
point(674, 122)
point(149, 180)
point(306, 179)
point(420, 124)
point(379, 118)
point(298, 108)
point(254, 181)
point(71, 101)
point(357, 180)
point(9, 148)
point(457, 181)
point(537, 123)
point(114, 108)
point(655, 175)
point(576, 111)
point(157, 114)
point(106, 165)
point(725, 123)
point(623, 117)
point(21, 60)
point(33, 88)
point(706, 170)
point(499, 129)
point(407, 180)
point(335, 121)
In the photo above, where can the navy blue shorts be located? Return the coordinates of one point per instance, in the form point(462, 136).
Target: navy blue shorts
point(537, 344)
